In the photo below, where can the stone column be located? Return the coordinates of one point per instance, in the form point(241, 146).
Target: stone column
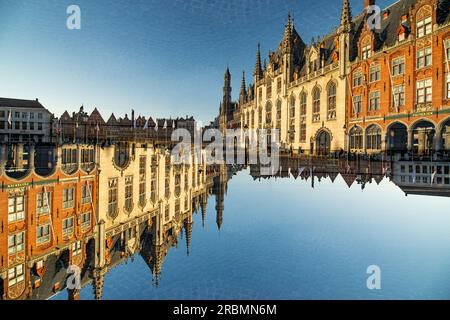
point(31, 154)
point(437, 140)
point(410, 140)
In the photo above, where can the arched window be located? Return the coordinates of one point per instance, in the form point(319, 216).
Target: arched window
point(373, 138)
point(269, 114)
point(278, 115)
point(316, 105)
point(303, 101)
point(121, 155)
point(366, 48)
point(331, 101)
point(356, 138)
point(260, 117)
point(292, 119)
point(424, 21)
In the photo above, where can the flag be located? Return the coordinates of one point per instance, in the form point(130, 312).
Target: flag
point(300, 170)
point(97, 127)
point(10, 118)
point(165, 124)
point(433, 176)
point(146, 125)
point(156, 124)
point(173, 124)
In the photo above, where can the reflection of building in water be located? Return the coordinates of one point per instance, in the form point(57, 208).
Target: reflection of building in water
point(47, 216)
point(95, 209)
point(316, 169)
point(220, 190)
point(422, 177)
point(141, 188)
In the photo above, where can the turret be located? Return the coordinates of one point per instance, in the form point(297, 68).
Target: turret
point(188, 229)
point(258, 67)
point(243, 93)
point(344, 34)
point(99, 280)
point(203, 207)
point(288, 44)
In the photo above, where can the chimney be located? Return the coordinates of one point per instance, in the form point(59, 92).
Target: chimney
point(368, 3)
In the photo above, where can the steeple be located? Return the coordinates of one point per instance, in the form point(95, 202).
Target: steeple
point(346, 17)
point(227, 88)
point(188, 229)
point(287, 40)
point(342, 45)
point(243, 94)
point(99, 278)
point(157, 266)
point(203, 207)
point(258, 67)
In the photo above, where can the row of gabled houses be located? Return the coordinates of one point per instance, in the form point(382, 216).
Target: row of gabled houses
point(29, 121)
point(84, 127)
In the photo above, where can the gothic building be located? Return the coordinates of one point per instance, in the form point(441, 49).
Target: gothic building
point(48, 218)
point(363, 87)
point(227, 106)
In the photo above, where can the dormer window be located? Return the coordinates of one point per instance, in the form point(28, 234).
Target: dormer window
point(424, 27)
point(366, 52)
point(401, 33)
point(313, 64)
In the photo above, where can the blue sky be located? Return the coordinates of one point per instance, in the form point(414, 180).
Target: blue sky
point(160, 57)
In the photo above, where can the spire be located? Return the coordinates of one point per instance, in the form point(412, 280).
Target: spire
point(157, 265)
point(227, 78)
point(258, 68)
point(188, 229)
point(287, 40)
point(346, 17)
point(99, 277)
point(227, 89)
point(243, 94)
